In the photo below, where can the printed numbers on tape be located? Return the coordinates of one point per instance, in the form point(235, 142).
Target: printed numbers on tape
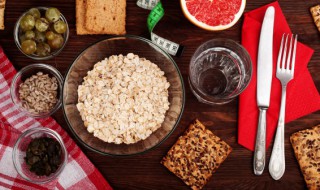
point(157, 12)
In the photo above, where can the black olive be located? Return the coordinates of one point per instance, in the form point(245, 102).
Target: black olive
point(43, 155)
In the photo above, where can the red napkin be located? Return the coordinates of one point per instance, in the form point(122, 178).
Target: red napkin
point(79, 173)
point(302, 96)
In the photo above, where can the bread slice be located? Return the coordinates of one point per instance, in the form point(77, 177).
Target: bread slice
point(315, 12)
point(196, 155)
point(80, 17)
point(2, 7)
point(306, 146)
point(105, 16)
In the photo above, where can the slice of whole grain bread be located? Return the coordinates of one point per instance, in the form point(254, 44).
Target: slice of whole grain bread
point(2, 7)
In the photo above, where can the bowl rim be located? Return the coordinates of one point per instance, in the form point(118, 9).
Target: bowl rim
point(57, 138)
point(55, 53)
point(156, 47)
point(60, 80)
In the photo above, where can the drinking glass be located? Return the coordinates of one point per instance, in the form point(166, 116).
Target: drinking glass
point(219, 70)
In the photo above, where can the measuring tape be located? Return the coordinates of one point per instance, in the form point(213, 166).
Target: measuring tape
point(157, 12)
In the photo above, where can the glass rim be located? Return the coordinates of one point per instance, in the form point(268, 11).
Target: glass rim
point(55, 72)
point(32, 56)
point(48, 132)
point(115, 37)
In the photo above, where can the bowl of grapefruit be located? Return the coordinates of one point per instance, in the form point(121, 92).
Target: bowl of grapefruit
point(213, 15)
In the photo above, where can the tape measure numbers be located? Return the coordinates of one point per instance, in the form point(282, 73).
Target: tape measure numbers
point(156, 14)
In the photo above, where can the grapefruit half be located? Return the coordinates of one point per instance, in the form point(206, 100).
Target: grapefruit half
point(213, 14)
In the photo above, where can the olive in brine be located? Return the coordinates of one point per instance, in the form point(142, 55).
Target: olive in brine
point(52, 14)
point(42, 24)
point(27, 22)
point(35, 13)
point(30, 35)
point(28, 47)
point(57, 42)
point(60, 27)
point(40, 36)
point(43, 49)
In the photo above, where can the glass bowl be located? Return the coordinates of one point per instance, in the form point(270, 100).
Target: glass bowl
point(219, 70)
point(19, 154)
point(16, 33)
point(115, 46)
point(27, 72)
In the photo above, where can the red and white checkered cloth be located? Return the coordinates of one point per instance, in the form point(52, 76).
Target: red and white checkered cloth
point(79, 173)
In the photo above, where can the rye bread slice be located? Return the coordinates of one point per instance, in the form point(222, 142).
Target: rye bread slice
point(196, 155)
point(2, 7)
point(80, 17)
point(105, 16)
point(306, 146)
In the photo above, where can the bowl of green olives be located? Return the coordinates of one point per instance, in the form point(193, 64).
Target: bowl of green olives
point(41, 33)
point(39, 155)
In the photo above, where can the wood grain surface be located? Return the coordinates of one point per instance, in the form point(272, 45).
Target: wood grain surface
point(144, 171)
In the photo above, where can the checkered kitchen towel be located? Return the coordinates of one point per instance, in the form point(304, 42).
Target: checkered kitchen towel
point(79, 173)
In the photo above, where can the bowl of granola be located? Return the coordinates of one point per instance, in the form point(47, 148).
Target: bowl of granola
point(123, 96)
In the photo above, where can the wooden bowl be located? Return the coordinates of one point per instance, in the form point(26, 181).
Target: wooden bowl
point(115, 46)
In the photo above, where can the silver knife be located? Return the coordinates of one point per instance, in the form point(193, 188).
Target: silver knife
point(264, 78)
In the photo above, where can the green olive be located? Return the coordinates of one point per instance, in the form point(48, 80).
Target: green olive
point(53, 14)
point(35, 13)
point(28, 47)
point(27, 22)
point(50, 35)
point(43, 49)
point(30, 35)
point(57, 42)
point(42, 24)
point(60, 27)
point(40, 36)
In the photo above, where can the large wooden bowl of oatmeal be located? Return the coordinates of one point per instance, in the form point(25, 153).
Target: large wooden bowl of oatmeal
point(123, 96)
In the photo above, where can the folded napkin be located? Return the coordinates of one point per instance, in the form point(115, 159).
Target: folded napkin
point(302, 95)
point(79, 173)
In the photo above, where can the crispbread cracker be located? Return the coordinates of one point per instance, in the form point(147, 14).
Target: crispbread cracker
point(315, 12)
point(196, 155)
point(105, 16)
point(306, 145)
point(80, 17)
point(2, 7)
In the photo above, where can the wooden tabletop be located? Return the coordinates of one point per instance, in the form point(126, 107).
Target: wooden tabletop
point(144, 171)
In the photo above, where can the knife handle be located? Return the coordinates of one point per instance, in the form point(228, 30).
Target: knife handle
point(260, 148)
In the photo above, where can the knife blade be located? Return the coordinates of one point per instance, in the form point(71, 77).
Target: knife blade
point(264, 79)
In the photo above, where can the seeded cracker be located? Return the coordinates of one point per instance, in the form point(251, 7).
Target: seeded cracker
point(196, 155)
point(315, 12)
point(306, 146)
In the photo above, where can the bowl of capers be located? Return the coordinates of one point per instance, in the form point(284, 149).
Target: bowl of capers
point(41, 33)
point(39, 155)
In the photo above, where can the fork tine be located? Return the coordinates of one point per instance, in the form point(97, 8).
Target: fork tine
point(284, 57)
point(289, 53)
point(280, 53)
point(294, 54)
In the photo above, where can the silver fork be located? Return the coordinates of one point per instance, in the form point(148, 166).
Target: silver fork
point(285, 73)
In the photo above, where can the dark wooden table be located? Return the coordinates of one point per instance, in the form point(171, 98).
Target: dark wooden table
point(144, 171)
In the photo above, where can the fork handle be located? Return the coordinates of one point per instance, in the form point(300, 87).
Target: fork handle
point(260, 147)
point(277, 163)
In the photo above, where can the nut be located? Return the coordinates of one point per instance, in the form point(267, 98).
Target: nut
point(38, 93)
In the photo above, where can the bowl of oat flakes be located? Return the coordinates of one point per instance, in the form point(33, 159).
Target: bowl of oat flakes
point(123, 96)
point(36, 90)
